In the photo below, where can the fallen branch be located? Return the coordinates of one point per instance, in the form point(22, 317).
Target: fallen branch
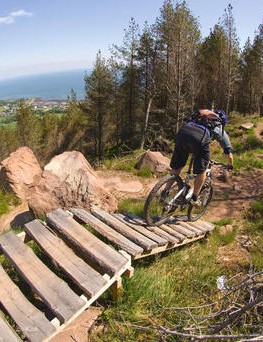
point(194, 337)
point(237, 314)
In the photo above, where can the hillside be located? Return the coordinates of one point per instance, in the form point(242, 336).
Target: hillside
point(158, 297)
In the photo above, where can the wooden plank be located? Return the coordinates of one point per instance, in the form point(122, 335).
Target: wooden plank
point(141, 229)
point(196, 230)
point(125, 230)
point(32, 322)
point(206, 224)
point(172, 229)
point(173, 232)
point(107, 232)
point(6, 332)
point(89, 280)
point(199, 226)
point(178, 227)
point(54, 291)
point(171, 238)
point(96, 252)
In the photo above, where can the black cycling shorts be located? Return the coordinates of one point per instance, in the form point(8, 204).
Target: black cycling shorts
point(195, 140)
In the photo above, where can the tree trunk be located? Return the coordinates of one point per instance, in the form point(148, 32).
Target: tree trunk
point(145, 126)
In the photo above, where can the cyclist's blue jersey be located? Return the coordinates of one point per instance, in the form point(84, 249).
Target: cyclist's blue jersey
point(218, 134)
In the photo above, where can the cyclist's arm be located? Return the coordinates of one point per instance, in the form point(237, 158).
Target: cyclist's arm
point(222, 138)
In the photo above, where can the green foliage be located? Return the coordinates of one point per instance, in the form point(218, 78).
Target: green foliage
point(126, 162)
point(255, 212)
point(144, 172)
point(28, 127)
point(177, 278)
point(7, 200)
point(254, 229)
point(223, 222)
point(134, 206)
point(9, 141)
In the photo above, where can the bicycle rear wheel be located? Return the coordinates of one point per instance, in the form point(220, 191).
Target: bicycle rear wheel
point(157, 209)
point(194, 213)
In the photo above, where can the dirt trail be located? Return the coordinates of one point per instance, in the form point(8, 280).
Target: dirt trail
point(230, 199)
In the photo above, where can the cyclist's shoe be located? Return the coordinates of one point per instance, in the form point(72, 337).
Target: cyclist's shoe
point(197, 203)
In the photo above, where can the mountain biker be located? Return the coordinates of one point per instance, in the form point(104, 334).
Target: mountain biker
point(195, 137)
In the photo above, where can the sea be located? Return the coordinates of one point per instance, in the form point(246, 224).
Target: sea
point(49, 86)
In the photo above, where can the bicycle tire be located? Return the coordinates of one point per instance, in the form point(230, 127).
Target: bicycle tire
point(195, 213)
point(155, 210)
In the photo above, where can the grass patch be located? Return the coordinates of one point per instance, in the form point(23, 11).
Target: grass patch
point(183, 277)
point(7, 200)
point(144, 172)
point(126, 162)
point(223, 222)
point(134, 206)
point(254, 228)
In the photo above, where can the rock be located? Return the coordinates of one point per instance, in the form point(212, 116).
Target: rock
point(20, 172)
point(155, 161)
point(225, 229)
point(70, 181)
point(247, 126)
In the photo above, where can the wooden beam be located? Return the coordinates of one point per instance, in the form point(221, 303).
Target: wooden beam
point(107, 232)
point(32, 322)
point(54, 291)
point(97, 253)
point(125, 230)
point(7, 334)
point(89, 280)
point(141, 229)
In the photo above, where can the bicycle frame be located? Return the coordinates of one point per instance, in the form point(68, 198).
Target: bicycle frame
point(183, 197)
point(185, 194)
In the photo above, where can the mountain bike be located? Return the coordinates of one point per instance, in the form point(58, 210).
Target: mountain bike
point(172, 194)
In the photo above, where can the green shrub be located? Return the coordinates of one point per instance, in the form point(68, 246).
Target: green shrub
point(145, 172)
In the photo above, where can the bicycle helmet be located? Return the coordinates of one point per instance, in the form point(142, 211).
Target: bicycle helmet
point(222, 115)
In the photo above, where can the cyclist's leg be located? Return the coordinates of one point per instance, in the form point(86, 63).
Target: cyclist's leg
point(201, 160)
point(199, 182)
point(179, 157)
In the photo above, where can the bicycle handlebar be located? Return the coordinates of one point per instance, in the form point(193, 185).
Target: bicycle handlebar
point(213, 162)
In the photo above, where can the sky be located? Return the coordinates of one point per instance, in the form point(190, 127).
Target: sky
point(39, 36)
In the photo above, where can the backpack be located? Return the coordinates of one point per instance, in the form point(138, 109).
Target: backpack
point(207, 118)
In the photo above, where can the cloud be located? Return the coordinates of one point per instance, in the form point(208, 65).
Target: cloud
point(10, 18)
point(21, 13)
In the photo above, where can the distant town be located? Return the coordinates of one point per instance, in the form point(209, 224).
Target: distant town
point(9, 107)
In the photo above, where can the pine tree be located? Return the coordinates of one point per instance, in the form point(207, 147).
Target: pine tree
point(28, 127)
point(99, 90)
point(130, 83)
point(147, 57)
point(231, 56)
point(72, 127)
point(211, 69)
point(180, 36)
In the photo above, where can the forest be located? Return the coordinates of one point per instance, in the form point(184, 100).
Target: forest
point(148, 87)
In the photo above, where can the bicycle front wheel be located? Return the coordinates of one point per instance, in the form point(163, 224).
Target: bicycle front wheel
point(194, 213)
point(160, 204)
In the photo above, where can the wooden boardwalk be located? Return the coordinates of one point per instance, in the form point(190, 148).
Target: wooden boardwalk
point(89, 261)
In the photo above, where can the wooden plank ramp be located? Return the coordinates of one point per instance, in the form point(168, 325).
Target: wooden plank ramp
point(32, 322)
point(151, 240)
point(61, 301)
point(91, 260)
